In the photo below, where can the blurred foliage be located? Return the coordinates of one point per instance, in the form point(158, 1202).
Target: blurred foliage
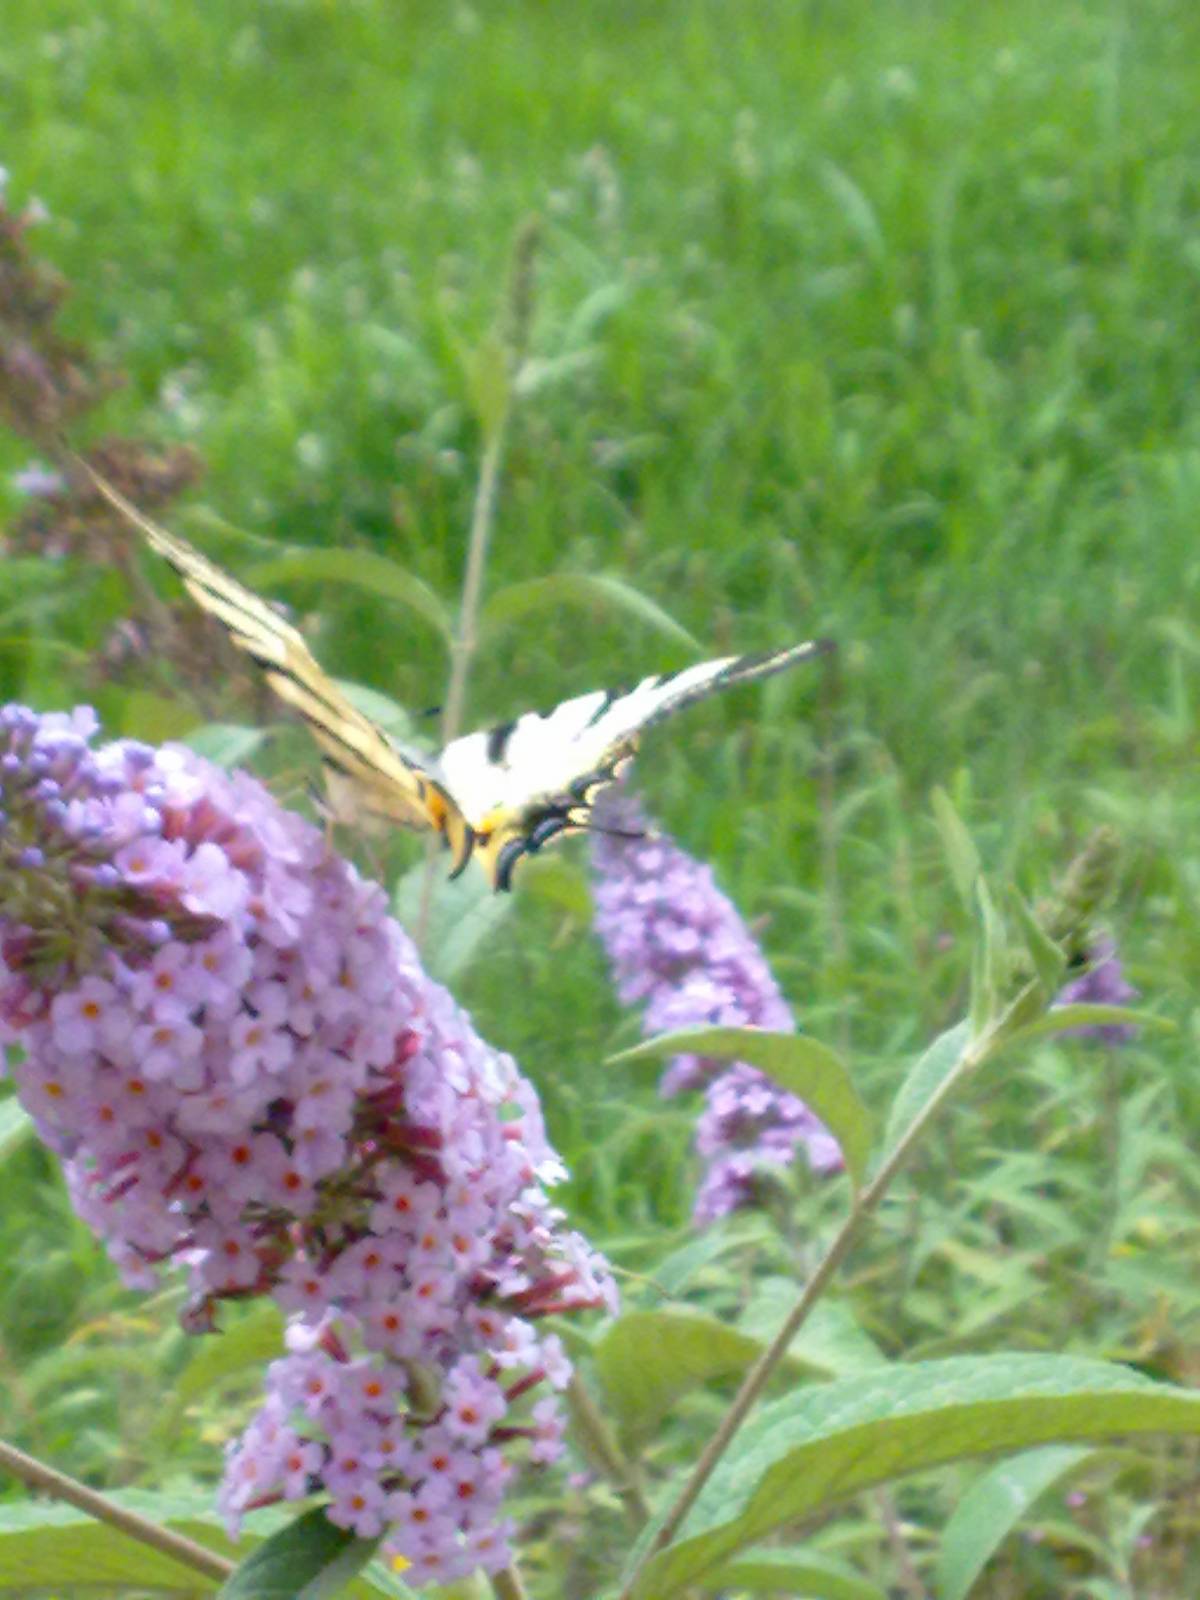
point(877, 320)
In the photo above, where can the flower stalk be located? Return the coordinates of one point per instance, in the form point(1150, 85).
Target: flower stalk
point(1028, 1002)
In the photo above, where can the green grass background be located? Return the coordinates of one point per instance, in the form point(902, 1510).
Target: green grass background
point(873, 319)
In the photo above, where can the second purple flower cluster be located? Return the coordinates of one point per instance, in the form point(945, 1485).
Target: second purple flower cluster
point(679, 946)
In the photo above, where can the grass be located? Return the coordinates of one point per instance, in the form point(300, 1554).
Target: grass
point(875, 320)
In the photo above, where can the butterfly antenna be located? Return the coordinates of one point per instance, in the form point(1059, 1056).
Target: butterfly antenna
point(643, 834)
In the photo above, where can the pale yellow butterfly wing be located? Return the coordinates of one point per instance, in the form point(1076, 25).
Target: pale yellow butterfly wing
point(369, 775)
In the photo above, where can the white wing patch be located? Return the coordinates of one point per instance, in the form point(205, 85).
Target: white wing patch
point(538, 758)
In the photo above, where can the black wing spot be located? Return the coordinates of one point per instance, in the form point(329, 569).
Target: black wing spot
point(611, 696)
point(497, 741)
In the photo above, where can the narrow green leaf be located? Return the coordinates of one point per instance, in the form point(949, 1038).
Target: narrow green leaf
point(792, 1060)
point(648, 1359)
point(361, 569)
point(991, 1509)
point(859, 214)
point(15, 1126)
point(228, 744)
point(1059, 1019)
point(796, 1572)
point(990, 965)
point(923, 1080)
point(959, 848)
point(540, 373)
point(309, 1559)
point(1048, 960)
point(516, 601)
point(818, 1446)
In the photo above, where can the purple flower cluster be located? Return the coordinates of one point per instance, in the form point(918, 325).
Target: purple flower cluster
point(1103, 984)
point(245, 1069)
point(678, 945)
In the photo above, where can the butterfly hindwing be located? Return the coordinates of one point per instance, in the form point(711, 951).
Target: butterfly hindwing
point(371, 773)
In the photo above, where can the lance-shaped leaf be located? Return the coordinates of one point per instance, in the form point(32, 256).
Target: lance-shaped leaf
point(518, 600)
point(310, 1559)
point(361, 569)
point(816, 1447)
point(793, 1061)
point(1061, 1019)
point(797, 1572)
point(992, 1508)
point(924, 1078)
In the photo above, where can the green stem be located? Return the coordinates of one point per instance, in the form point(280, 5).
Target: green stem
point(518, 311)
point(599, 1444)
point(867, 1200)
point(46, 1479)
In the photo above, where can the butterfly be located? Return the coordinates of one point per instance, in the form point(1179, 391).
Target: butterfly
point(499, 794)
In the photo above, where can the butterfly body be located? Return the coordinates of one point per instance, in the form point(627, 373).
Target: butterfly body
point(498, 794)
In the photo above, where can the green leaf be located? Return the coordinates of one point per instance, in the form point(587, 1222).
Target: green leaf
point(990, 964)
point(15, 1126)
point(244, 1347)
point(831, 1341)
point(793, 1061)
point(959, 848)
point(228, 744)
point(858, 212)
point(648, 1359)
point(361, 569)
point(1059, 1019)
point(923, 1080)
point(1048, 960)
point(463, 917)
point(308, 1560)
point(991, 1509)
point(818, 1446)
point(794, 1572)
point(48, 1546)
point(516, 601)
point(392, 717)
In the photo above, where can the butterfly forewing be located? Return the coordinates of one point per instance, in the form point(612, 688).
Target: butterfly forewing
point(390, 783)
